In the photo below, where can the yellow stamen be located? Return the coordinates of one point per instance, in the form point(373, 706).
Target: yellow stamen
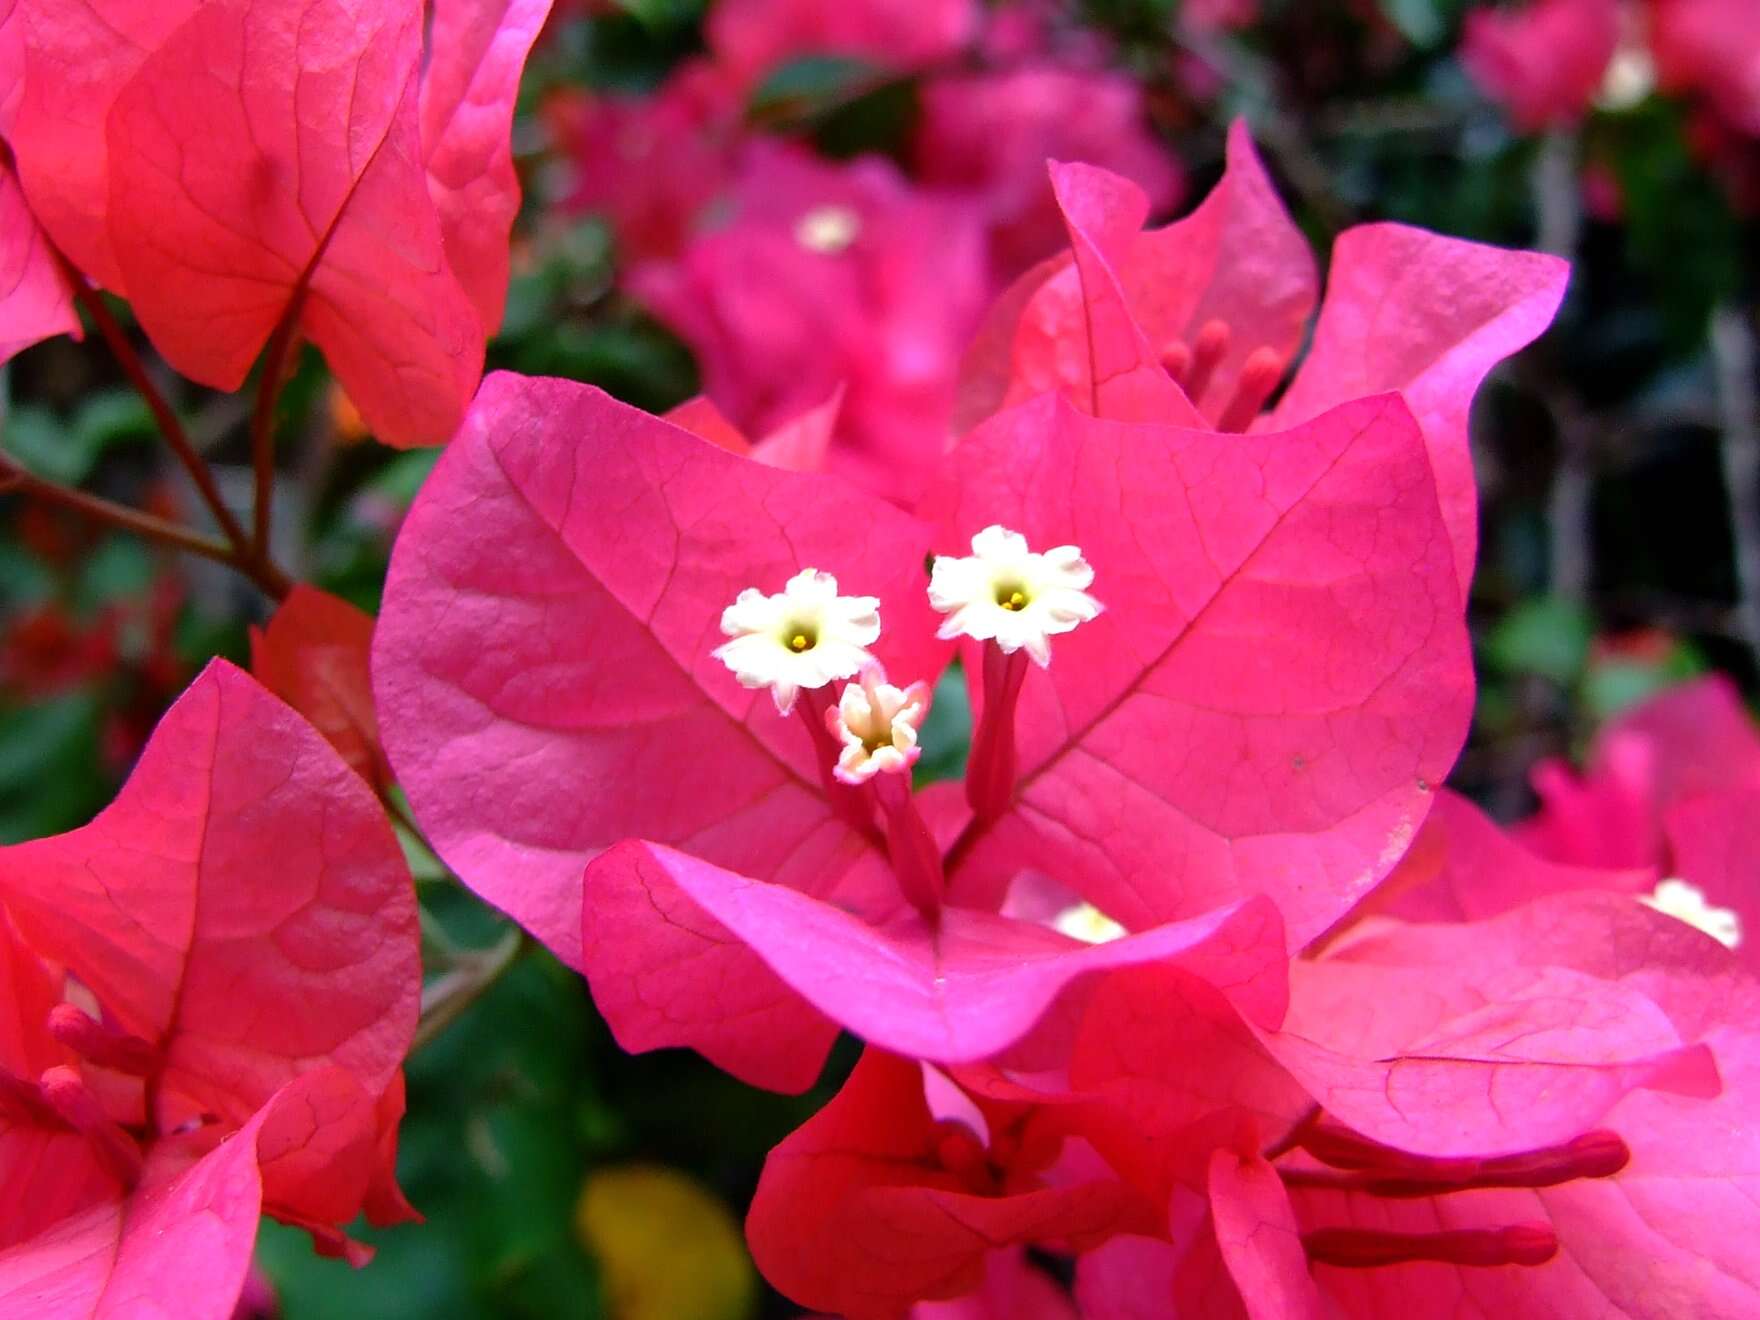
point(1016, 600)
point(799, 642)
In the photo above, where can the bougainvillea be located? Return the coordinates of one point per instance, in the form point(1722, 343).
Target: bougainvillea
point(256, 168)
point(211, 989)
point(1057, 701)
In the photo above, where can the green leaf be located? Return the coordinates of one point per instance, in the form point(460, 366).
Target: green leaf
point(1545, 636)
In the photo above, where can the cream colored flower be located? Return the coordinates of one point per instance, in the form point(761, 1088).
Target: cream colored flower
point(1685, 902)
point(877, 725)
point(1007, 594)
point(803, 637)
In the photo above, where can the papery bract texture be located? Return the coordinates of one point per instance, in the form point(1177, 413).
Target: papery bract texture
point(1684, 1205)
point(266, 166)
point(477, 51)
point(181, 1244)
point(1237, 260)
point(858, 1214)
point(313, 655)
point(35, 301)
point(1280, 678)
point(242, 906)
point(1428, 316)
point(679, 952)
point(543, 662)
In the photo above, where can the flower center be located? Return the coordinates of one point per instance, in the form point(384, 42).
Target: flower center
point(802, 637)
point(1011, 598)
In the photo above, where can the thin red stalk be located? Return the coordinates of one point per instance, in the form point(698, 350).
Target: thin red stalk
point(275, 361)
point(163, 415)
point(916, 859)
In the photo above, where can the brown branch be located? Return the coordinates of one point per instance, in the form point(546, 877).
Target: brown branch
point(1733, 352)
point(169, 425)
point(15, 479)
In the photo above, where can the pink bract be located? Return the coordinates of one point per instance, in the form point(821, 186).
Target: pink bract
point(245, 922)
point(543, 666)
point(1231, 562)
point(1218, 302)
point(826, 276)
point(1544, 61)
point(751, 39)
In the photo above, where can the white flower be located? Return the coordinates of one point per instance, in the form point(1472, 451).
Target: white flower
point(1006, 593)
point(801, 638)
point(1685, 902)
point(877, 724)
point(1087, 923)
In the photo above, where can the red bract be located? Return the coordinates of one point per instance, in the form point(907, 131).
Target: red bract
point(1218, 302)
point(832, 275)
point(244, 922)
point(753, 38)
point(1545, 61)
point(35, 300)
point(241, 166)
point(876, 1202)
point(313, 655)
point(537, 716)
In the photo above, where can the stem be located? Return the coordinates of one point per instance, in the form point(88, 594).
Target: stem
point(102, 510)
point(169, 426)
point(916, 858)
point(990, 773)
point(1732, 349)
point(263, 425)
point(448, 995)
point(849, 802)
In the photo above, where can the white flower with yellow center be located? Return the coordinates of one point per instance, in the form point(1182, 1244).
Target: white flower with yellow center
point(1007, 594)
point(877, 724)
point(1686, 902)
point(803, 637)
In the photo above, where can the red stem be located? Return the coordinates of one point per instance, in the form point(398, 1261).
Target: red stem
point(990, 773)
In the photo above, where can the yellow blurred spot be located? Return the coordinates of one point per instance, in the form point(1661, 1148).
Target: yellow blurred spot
point(667, 1248)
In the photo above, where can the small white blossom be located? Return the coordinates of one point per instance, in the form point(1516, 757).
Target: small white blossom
point(803, 637)
point(1087, 923)
point(877, 725)
point(1007, 594)
point(1685, 902)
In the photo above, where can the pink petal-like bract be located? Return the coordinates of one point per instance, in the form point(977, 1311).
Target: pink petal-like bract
point(543, 664)
point(35, 300)
point(180, 1244)
point(753, 38)
point(1544, 60)
point(477, 50)
point(1256, 1232)
point(313, 655)
point(1237, 261)
point(1278, 682)
point(1428, 316)
point(1013, 1289)
point(1670, 1233)
point(859, 1212)
point(679, 952)
point(242, 906)
point(265, 168)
